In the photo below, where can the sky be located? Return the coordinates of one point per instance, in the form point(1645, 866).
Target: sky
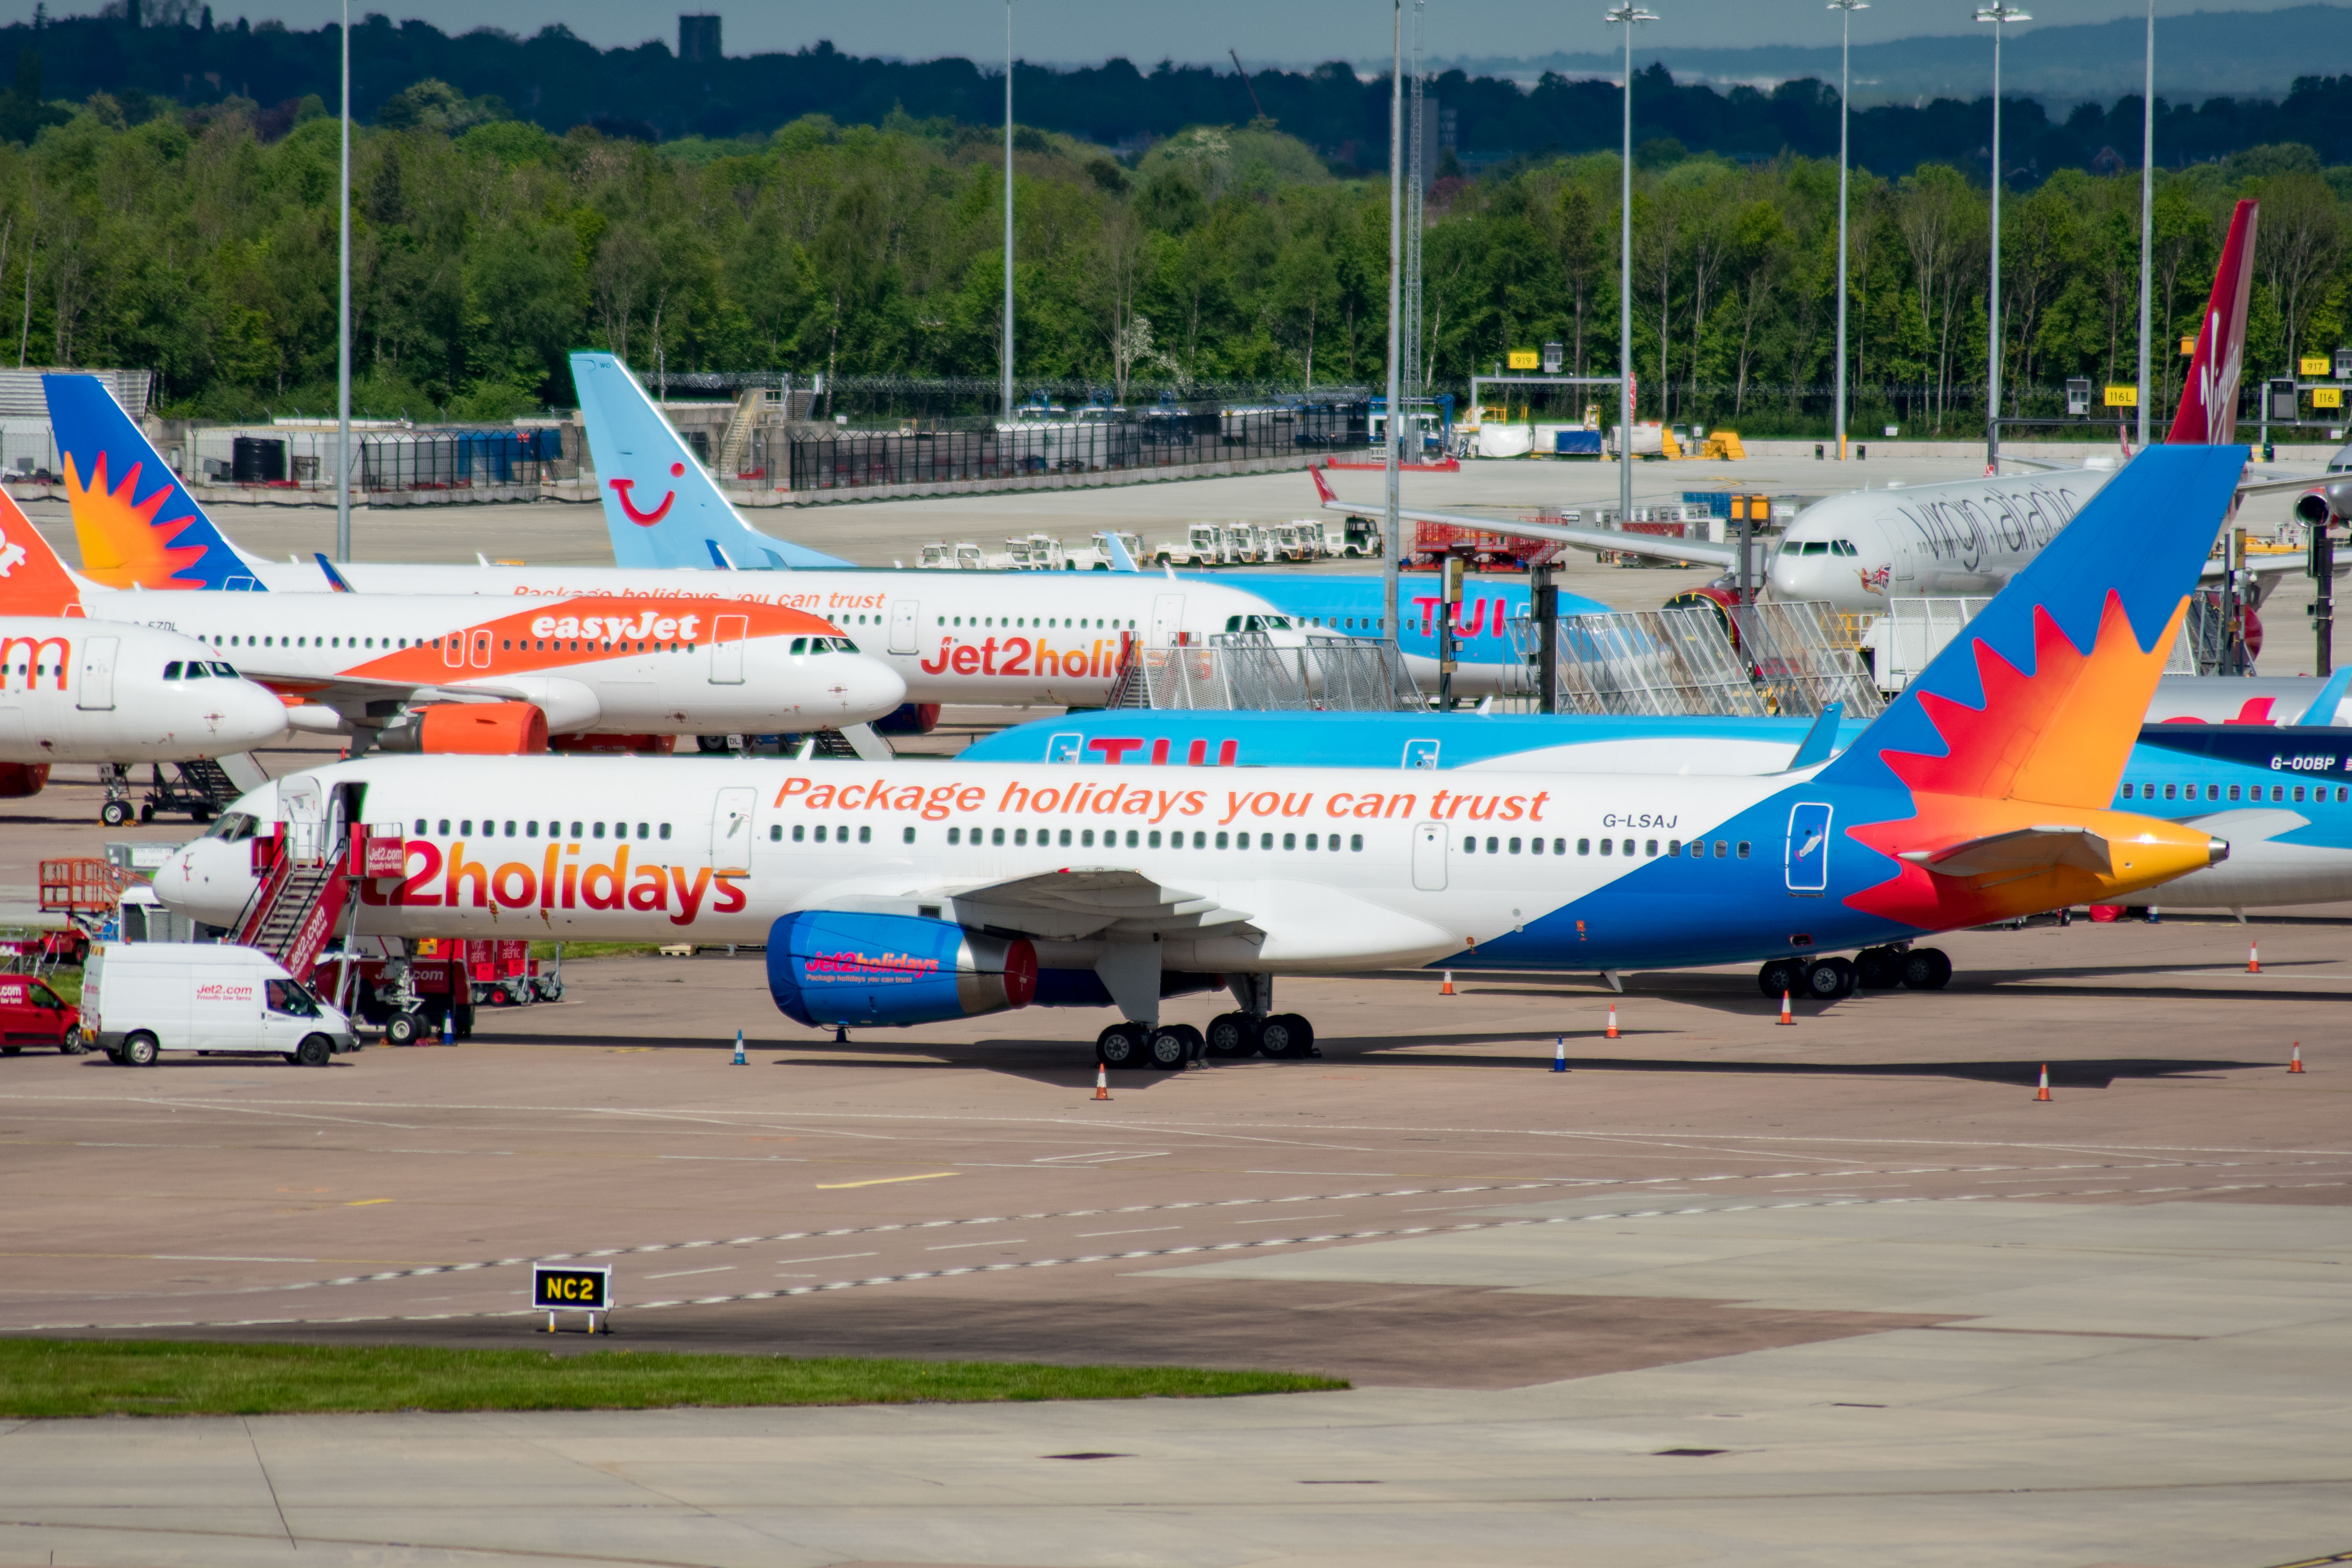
point(1288, 32)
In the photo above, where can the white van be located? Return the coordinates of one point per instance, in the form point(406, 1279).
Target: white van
point(140, 999)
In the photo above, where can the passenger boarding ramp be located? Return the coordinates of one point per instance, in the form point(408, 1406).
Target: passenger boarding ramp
point(1747, 662)
point(1247, 670)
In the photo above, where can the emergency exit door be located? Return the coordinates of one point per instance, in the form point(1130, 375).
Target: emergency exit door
point(1808, 861)
point(1429, 857)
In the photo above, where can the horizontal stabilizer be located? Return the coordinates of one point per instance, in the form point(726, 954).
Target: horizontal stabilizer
point(2019, 853)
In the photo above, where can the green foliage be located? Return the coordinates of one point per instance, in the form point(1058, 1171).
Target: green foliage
point(65, 1378)
point(484, 249)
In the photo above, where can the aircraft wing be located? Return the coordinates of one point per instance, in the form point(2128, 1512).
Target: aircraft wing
point(1724, 555)
point(353, 693)
point(1082, 901)
point(2019, 853)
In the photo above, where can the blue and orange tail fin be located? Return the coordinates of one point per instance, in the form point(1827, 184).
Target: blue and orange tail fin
point(2042, 696)
point(138, 526)
point(33, 580)
point(661, 508)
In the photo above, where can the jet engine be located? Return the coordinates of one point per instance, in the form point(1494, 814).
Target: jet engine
point(828, 967)
point(468, 730)
point(2325, 502)
point(18, 780)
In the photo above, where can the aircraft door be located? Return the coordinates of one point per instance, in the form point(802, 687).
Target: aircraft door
point(1167, 619)
point(1429, 857)
point(306, 814)
point(907, 627)
point(1066, 747)
point(1420, 753)
point(453, 650)
point(727, 636)
point(731, 829)
point(481, 649)
point(1807, 864)
point(98, 657)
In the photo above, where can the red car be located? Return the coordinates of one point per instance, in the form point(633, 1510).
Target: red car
point(33, 1015)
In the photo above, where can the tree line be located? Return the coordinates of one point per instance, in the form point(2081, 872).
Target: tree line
point(484, 249)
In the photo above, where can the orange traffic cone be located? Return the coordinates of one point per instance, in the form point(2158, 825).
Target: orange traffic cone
point(1612, 1020)
point(1447, 989)
point(1102, 1080)
point(2042, 1094)
point(1786, 1017)
point(2254, 958)
point(2295, 1063)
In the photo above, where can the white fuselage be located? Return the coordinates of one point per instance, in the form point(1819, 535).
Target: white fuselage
point(677, 672)
point(1042, 638)
point(1959, 538)
point(81, 691)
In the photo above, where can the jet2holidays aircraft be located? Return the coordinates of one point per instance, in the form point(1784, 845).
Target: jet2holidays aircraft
point(462, 672)
point(1018, 637)
point(639, 456)
point(908, 892)
point(1964, 537)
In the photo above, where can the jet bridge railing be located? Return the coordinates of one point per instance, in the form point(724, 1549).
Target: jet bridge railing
point(1250, 671)
point(1654, 662)
point(1914, 631)
point(1804, 658)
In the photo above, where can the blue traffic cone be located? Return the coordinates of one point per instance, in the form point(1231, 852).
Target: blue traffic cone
point(1559, 1054)
point(449, 1028)
point(738, 1050)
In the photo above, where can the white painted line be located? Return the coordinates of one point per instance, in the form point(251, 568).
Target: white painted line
point(682, 1273)
point(999, 1241)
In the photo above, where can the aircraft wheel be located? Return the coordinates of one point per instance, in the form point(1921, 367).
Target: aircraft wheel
point(1880, 968)
point(1927, 969)
point(1286, 1035)
point(1831, 979)
point(115, 813)
point(1780, 974)
point(1233, 1035)
point(1121, 1046)
point(1167, 1050)
point(403, 1029)
point(147, 812)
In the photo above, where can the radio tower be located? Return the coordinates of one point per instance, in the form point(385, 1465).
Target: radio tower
point(1416, 182)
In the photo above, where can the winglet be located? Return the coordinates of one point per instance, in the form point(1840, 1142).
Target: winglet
point(2331, 696)
point(335, 579)
point(1116, 548)
point(1820, 740)
point(1322, 488)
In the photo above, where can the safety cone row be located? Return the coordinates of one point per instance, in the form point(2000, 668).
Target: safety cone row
point(1559, 1054)
point(740, 1060)
point(1612, 1020)
point(1786, 1017)
point(2042, 1094)
point(2294, 1063)
point(2254, 958)
point(1102, 1080)
point(1447, 989)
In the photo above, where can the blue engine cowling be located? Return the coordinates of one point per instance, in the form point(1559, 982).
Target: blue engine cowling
point(828, 968)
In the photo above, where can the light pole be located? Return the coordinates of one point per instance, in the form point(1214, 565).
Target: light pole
point(1391, 539)
point(1006, 392)
point(1845, 53)
point(2000, 15)
point(2146, 219)
point(1627, 15)
point(343, 319)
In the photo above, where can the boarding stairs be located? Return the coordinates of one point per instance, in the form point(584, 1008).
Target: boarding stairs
point(303, 893)
point(736, 443)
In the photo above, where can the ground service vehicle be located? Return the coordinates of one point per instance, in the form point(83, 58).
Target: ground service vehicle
point(142, 999)
point(33, 1015)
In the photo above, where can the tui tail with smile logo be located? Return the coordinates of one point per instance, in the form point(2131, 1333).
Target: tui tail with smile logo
point(661, 506)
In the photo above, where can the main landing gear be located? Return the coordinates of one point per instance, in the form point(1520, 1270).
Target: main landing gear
point(1872, 969)
point(1168, 1048)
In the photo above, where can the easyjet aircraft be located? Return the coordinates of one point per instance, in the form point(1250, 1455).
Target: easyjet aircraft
point(910, 892)
point(459, 672)
point(1026, 637)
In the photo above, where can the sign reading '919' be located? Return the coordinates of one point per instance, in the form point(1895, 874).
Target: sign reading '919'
point(555, 1287)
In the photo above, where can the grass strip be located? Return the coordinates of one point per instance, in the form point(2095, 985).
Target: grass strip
point(163, 1377)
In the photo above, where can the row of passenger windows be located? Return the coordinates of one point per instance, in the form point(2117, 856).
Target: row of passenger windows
point(1137, 838)
point(1724, 849)
point(507, 643)
point(554, 829)
point(2253, 792)
point(1068, 623)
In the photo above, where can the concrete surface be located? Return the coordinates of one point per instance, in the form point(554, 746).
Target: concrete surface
point(1906, 1313)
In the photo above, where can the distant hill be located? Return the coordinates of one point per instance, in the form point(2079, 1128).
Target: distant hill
point(2202, 55)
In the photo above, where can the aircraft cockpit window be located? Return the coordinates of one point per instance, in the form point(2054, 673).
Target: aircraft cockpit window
point(196, 670)
point(799, 644)
point(1793, 548)
point(226, 671)
point(172, 671)
point(1817, 547)
point(1843, 547)
point(232, 826)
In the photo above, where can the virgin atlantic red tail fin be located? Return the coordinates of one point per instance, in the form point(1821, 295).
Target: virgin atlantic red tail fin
point(2209, 397)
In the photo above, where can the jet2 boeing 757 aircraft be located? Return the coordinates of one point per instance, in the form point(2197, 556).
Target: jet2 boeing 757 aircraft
point(910, 892)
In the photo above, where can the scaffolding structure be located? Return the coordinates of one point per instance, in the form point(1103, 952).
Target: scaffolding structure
point(1914, 631)
point(1804, 657)
point(1247, 671)
point(1775, 658)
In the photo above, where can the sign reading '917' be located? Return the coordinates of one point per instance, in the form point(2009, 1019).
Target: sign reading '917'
point(557, 1287)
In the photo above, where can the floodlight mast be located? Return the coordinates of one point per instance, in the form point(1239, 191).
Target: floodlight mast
point(2000, 15)
point(2146, 221)
point(1006, 392)
point(1392, 529)
point(1845, 78)
point(1626, 16)
point(343, 316)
